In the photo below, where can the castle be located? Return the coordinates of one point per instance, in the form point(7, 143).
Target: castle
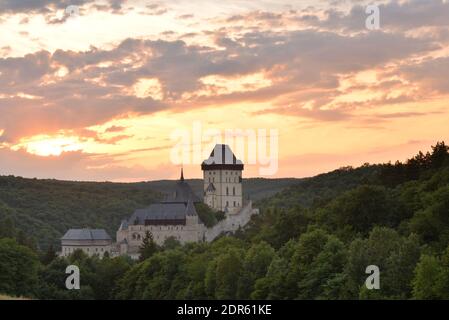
point(176, 216)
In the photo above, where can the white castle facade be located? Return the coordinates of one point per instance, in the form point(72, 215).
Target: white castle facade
point(222, 176)
point(176, 217)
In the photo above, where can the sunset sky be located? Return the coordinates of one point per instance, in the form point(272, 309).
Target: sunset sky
point(97, 96)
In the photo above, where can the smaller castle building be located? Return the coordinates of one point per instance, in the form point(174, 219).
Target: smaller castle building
point(90, 241)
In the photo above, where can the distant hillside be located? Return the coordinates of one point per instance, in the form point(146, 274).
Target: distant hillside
point(254, 188)
point(314, 191)
point(45, 209)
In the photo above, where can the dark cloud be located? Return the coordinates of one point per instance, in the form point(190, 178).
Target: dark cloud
point(38, 6)
point(403, 15)
point(49, 8)
point(314, 114)
point(431, 74)
point(115, 129)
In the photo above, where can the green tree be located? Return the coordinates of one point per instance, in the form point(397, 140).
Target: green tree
point(257, 260)
point(7, 225)
point(171, 243)
point(428, 275)
point(227, 273)
point(362, 209)
point(49, 256)
point(148, 247)
point(18, 269)
point(107, 275)
point(323, 279)
point(382, 248)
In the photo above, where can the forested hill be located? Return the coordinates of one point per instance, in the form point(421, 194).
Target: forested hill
point(43, 210)
point(313, 240)
point(254, 188)
point(314, 191)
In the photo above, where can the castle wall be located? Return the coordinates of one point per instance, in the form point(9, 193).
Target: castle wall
point(232, 222)
point(135, 234)
point(93, 247)
point(193, 232)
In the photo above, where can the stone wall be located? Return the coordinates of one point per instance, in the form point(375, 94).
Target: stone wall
point(90, 250)
point(232, 222)
point(134, 234)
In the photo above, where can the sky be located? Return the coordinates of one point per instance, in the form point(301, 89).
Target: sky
point(99, 90)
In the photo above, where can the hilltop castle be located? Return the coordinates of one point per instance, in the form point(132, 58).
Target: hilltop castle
point(177, 217)
point(223, 180)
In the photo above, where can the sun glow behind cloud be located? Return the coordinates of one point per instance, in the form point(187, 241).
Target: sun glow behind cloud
point(45, 146)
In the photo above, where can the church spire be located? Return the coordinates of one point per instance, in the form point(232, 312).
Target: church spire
point(182, 174)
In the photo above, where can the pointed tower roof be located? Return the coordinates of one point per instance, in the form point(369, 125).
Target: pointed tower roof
point(190, 209)
point(210, 187)
point(222, 157)
point(182, 193)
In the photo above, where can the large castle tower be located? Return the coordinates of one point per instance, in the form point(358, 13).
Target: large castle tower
point(223, 180)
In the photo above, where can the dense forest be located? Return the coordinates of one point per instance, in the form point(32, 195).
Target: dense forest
point(312, 240)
